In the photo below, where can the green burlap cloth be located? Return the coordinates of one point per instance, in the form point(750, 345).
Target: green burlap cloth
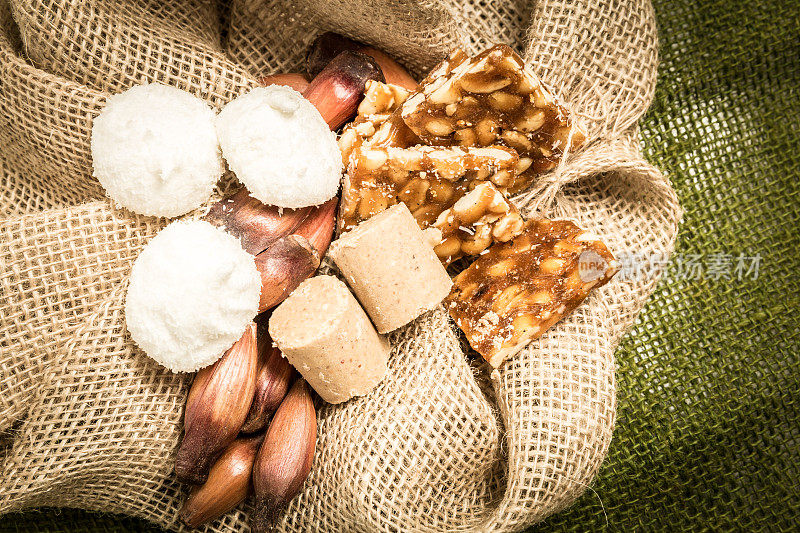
point(708, 430)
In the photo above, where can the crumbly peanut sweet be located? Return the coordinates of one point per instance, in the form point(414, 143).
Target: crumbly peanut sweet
point(517, 290)
point(326, 335)
point(493, 98)
point(391, 268)
point(477, 220)
point(429, 180)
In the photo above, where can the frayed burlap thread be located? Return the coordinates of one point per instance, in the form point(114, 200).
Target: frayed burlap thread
point(90, 422)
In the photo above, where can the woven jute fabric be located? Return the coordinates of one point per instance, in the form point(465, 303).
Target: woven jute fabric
point(442, 444)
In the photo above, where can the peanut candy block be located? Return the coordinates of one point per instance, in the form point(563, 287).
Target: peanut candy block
point(494, 99)
point(477, 220)
point(427, 179)
point(380, 101)
point(517, 290)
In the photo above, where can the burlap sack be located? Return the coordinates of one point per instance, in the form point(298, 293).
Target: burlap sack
point(88, 421)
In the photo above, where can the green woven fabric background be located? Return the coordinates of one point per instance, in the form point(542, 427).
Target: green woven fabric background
point(708, 431)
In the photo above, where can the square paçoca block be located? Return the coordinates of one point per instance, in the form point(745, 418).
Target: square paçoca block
point(392, 268)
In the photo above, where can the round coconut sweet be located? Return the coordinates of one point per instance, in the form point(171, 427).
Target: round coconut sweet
point(280, 147)
point(192, 292)
point(155, 150)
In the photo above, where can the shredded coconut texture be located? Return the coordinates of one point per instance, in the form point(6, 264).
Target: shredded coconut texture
point(192, 292)
point(155, 150)
point(280, 147)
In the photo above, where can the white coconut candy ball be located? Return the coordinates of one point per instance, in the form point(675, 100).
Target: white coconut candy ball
point(155, 150)
point(192, 292)
point(280, 147)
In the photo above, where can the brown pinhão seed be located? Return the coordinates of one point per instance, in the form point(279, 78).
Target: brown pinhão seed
point(256, 225)
point(283, 266)
point(228, 484)
point(329, 44)
point(338, 89)
point(295, 80)
point(216, 410)
point(318, 226)
point(285, 458)
point(275, 376)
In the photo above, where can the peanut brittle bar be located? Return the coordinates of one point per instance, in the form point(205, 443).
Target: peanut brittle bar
point(427, 179)
point(493, 99)
point(477, 220)
point(517, 290)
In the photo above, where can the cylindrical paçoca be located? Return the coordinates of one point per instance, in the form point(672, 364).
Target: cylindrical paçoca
point(325, 334)
point(392, 268)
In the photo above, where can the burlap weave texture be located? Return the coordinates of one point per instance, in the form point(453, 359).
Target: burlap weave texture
point(90, 422)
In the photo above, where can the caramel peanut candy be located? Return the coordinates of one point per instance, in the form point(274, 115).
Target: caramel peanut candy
point(380, 101)
point(494, 99)
point(477, 220)
point(393, 132)
point(427, 179)
point(517, 290)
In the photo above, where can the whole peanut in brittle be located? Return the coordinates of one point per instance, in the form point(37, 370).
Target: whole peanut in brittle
point(381, 130)
point(393, 132)
point(493, 99)
point(444, 68)
point(381, 98)
point(380, 101)
point(427, 179)
point(477, 220)
point(517, 290)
